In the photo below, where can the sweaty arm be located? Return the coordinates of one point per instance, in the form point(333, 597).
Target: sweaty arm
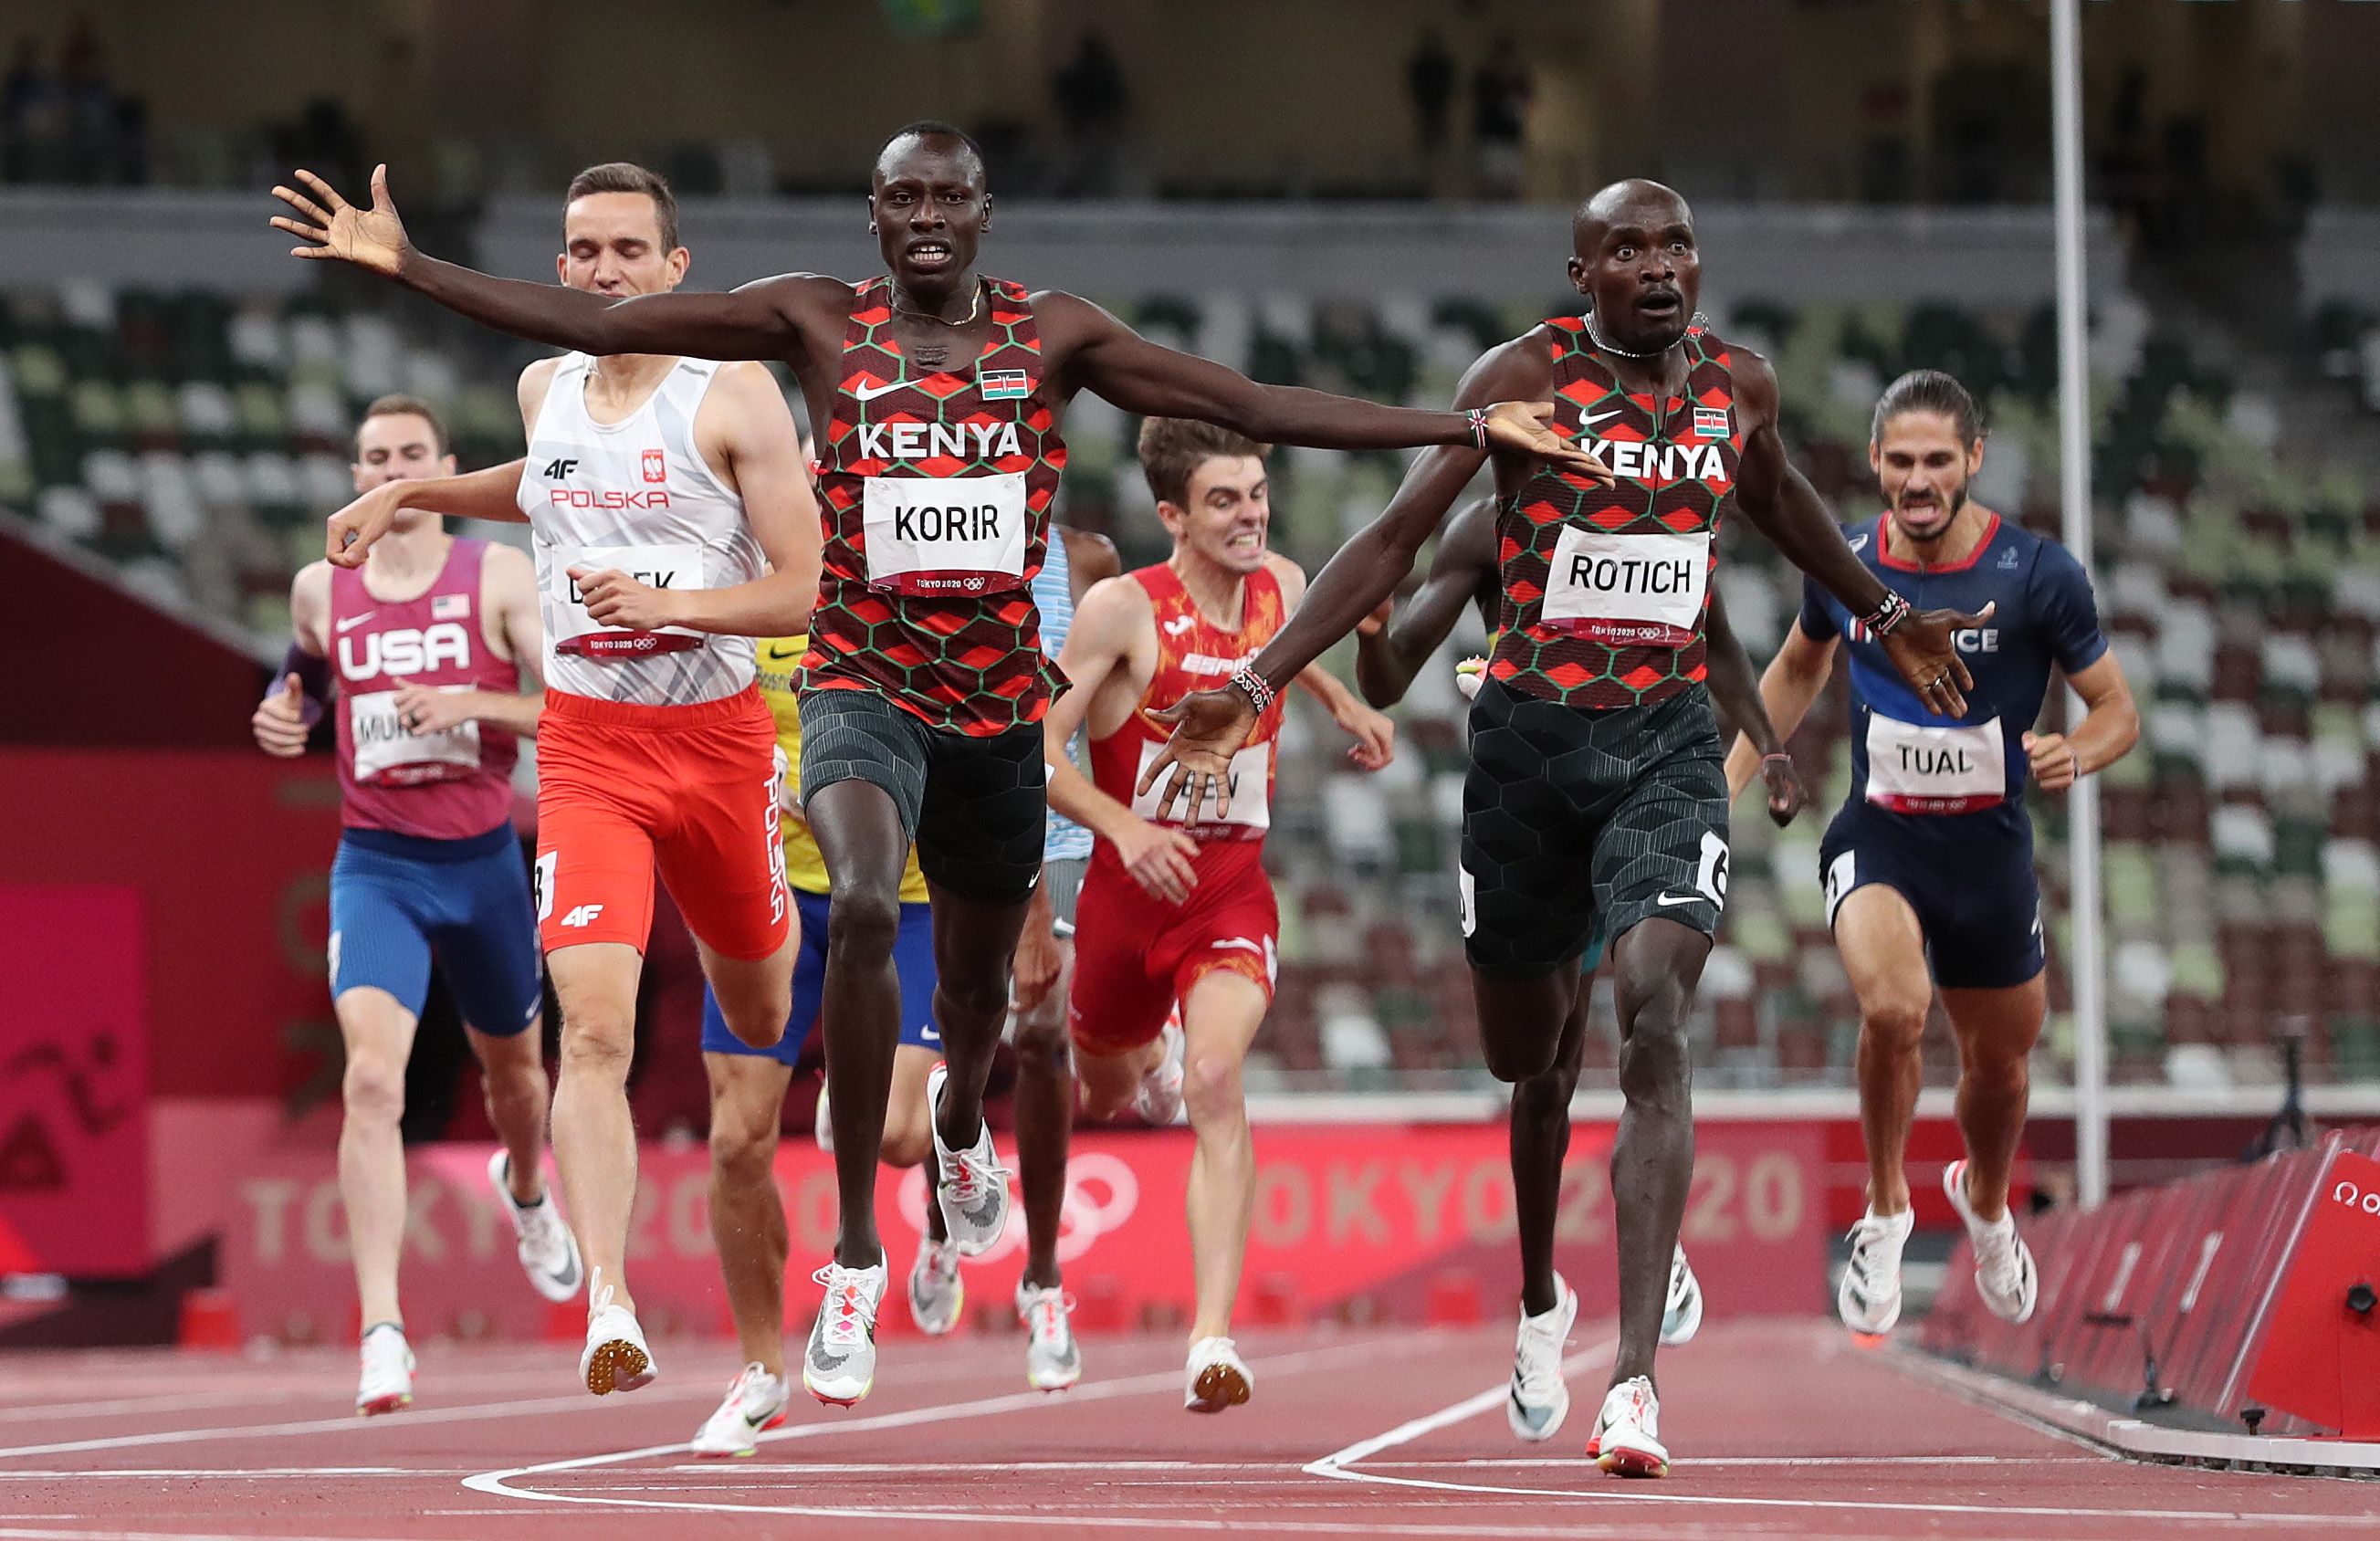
point(755, 322)
point(1387, 658)
point(1112, 625)
point(761, 453)
point(1107, 358)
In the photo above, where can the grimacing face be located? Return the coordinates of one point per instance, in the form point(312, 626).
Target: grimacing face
point(611, 246)
point(398, 446)
point(1226, 515)
point(1923, 470)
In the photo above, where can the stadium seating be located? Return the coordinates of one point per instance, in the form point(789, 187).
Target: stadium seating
point(196, 439)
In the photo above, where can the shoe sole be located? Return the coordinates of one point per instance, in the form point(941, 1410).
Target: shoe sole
point(1627, 1462)
point(1216, 1388)
point(396, 1402)
point(832, 1399)
point(701, 1454)
point(618, 1365)
point(1846, 1304)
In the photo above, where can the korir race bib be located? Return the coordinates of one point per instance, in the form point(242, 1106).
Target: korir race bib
point(676, 567)
point(1640, 590)
point(1913, 769)
point(390, 754)
point(1251, 784)
point(946, 535)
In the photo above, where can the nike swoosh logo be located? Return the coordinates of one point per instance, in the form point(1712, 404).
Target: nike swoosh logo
point(869, 393)
point(352, 622)
point(1681, 899)
point(1597, 418)
point(778, 655)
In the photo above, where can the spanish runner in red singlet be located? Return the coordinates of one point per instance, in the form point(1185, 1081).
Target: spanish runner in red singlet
point(936, 395)
point(421, 653)
point(1593, 745)
point(1177, 916)
point(673, 523)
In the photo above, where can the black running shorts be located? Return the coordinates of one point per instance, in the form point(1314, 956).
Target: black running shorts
point(1576, 820)
point(977, 806)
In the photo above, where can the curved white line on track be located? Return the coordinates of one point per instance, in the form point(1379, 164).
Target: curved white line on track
point(500, 1482)
point(1336, 1465)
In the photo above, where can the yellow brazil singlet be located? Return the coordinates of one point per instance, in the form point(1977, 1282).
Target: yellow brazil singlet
point(780, 660)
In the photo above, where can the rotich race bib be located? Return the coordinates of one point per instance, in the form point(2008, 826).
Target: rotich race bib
point(1914, 769)
point(946, 535)
point(391, 754)
point(1251, 784)
point(676, 567)
point(1640, 590)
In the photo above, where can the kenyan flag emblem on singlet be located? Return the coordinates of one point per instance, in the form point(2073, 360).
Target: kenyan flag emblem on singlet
point(1004, 385)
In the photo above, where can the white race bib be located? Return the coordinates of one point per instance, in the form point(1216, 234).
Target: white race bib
point(949, 535)
point(389, 752)
point(1644, 590)
point(677, 567)
point(1913, 769)
point(1251, 784)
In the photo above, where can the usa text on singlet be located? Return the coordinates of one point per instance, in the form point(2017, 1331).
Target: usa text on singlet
point(938, 491)
point(447, 784)
point(1192, 653)
point(1605, 587)
point(636, 495)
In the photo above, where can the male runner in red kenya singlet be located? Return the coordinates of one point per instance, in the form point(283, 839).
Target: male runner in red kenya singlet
point(1593, 745)
point(936, 396)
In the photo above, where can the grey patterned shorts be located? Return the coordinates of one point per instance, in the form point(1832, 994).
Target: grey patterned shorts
point(1576, 820)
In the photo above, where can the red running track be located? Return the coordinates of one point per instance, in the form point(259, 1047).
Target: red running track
point(1778, 1429)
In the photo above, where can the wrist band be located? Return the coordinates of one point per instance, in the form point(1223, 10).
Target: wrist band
point(1252, 684)
point(1778, 754)
point(1884, 616)
point(1477, 418)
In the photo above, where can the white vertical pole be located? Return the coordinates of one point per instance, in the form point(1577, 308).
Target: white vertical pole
point(2087, 964)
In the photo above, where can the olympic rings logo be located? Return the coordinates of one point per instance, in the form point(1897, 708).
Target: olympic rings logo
point(1101, 1194)
point(2356, 1199)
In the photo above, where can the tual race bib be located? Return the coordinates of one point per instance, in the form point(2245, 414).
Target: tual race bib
point(1913, 769)
point(1627, 591)
point(575, 631)
point(1251, 786)
point(946, 535)
point(390, 754)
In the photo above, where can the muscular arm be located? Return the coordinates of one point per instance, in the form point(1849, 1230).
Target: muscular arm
point(1781, 503)
point(493, 494)
point(1735, 689)
point(2110, 726)
point(524, 627)
point(764, 467)
point(1110, 359)
point(1387, 659)
point(1090, 560)
point(1793, 679)
point(1106, 625)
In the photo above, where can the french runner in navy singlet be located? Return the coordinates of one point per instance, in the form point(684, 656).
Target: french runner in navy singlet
point(1930, 861)
point(1593, 745)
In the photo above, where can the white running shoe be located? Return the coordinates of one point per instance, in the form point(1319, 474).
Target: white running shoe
point(2004, 1271)
point(1627, 1440)
point(1158, 1101)
point(1538, 1401)
point(756, 1402)
point(386, 1384)
point(1217, 1376)
point(549, 1252)
point(840, 1364)
point(1052, 1361)
point(617, 1358)
point(1868, 1297)
point(936, 1293)
point(823, 1131)
point(1682, 1317)
point(974, 1189)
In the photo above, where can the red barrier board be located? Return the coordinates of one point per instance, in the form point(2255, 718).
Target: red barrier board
point(1382, 1213)
point(74, 1081)
point(2319, 1356)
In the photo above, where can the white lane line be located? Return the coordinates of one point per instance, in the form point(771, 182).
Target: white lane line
point(15, 1533)
point(1338, 1462)
point(411, 1419)
point(500, 1482)
point(176, 1473)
